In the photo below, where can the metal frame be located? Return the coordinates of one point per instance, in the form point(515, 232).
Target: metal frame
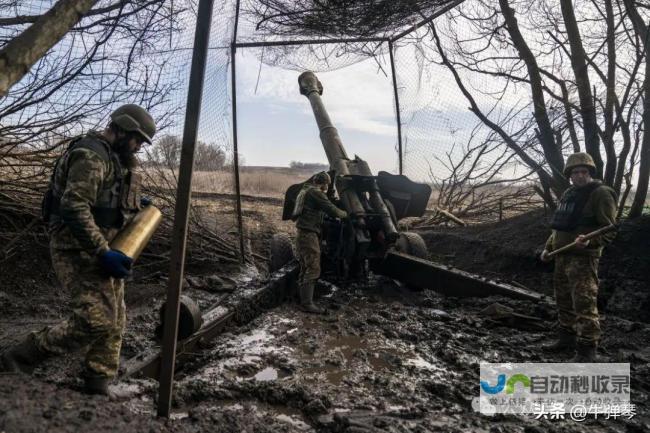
point(390, 40)
point(235, 142)
point(181, 212)
point(190, 133)
point(398, 115)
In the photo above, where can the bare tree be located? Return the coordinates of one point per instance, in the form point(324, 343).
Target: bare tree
point(643, 32)
point(19, 55)
point(107, 58)
point(583, 84)
point(476, 187)
point(556, 68)
point(579, 61)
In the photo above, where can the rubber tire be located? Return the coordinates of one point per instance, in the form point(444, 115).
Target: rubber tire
point(281, 251)
point(413, 244)
point(190, 319)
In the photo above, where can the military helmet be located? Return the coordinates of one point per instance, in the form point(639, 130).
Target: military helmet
point(322, 178)
point(579, 159)
point(133, 118)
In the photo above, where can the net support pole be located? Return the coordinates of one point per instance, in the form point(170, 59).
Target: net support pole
point(397, 110)
point(181, 211)
point(235, 143)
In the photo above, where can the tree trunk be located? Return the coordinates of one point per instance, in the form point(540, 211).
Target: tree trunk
point(544, 177)
point(641, 193)
point(608, 112)
point(20, 54)
point(644, 166)
point(551, 151)
point(579, 65)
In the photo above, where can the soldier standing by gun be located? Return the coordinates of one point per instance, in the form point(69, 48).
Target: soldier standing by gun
point(93, 193)
point(583, 208)
point(311, 206)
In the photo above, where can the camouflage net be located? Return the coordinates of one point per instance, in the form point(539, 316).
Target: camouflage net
point(140, 51)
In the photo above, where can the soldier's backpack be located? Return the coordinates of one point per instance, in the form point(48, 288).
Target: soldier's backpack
point(50, 200)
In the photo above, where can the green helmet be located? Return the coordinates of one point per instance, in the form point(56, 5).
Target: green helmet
point(322, 178)
point(579, 159)
point(133, 118)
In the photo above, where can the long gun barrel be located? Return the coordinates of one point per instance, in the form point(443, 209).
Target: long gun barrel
point(345, 169)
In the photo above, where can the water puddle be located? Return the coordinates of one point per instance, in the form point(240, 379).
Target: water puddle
point(270, 373)
point(333, 375)
point(351, 349)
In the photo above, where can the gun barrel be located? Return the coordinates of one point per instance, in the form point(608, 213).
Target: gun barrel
point(313, 89)
point(338, 159)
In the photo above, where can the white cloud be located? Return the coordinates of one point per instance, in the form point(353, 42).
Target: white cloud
point(357, 97)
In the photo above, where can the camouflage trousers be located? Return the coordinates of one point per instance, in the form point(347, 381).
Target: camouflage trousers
point(98, 313)
point(576, 293)
point(308, 252)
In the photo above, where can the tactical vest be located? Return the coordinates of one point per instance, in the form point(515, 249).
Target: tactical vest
point(568, 215)
point(116, 199)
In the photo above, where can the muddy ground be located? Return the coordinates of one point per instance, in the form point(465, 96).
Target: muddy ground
point(383, 358)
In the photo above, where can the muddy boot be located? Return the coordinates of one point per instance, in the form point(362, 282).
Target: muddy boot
point(566, 342)
point(586, 352)
point(23, 357)
point(95, 384)
point(307, 299)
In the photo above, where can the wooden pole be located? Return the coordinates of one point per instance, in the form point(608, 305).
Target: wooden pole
point(587, 237)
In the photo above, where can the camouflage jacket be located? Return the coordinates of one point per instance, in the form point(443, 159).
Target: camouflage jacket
point(600, 210)
point(82, 180)
point(311, 206)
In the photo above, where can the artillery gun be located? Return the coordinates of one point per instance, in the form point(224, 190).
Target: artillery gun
point(375, 203)
point(369, 239)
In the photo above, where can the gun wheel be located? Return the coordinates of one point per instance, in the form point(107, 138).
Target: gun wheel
point(413, 244)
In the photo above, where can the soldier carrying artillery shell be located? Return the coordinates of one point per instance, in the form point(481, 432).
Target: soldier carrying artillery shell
point(93, 194)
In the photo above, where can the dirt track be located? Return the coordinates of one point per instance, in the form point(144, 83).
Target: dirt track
point(383, 359)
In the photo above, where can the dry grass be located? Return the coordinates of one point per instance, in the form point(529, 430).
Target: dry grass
point(257, 181)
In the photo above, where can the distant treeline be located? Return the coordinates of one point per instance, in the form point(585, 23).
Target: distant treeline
point(313, 166)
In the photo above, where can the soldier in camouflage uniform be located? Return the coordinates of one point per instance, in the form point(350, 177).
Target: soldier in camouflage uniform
point(311, 206)
point(93, 193)
point(583, 208)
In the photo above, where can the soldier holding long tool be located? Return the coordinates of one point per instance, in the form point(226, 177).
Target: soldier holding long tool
point(93, 194)
point(311, 206)
point(585, 207)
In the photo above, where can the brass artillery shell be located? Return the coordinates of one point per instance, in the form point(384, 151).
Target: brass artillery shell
point(136, 235)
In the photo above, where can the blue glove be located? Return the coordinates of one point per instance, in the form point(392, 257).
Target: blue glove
point(145, 201)
point(115, 263)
